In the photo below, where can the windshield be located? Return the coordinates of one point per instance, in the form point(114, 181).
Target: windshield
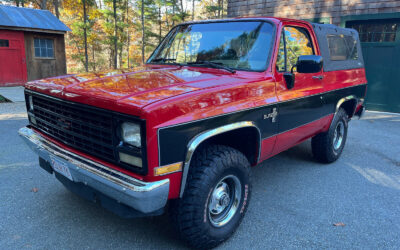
point(237, 45)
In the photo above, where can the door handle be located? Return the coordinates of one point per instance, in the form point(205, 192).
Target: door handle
point(320, 77)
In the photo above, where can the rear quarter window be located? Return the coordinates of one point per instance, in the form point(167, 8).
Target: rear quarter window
point(342, 47)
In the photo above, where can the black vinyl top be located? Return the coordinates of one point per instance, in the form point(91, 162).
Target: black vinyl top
point(323, 31)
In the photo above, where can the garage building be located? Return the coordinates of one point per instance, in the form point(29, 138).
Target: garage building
point(32, 45)
point(377, 21)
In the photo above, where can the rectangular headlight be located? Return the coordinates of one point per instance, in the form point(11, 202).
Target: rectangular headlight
point(130, 133)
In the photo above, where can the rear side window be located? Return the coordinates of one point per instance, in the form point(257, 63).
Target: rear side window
point(4, 43)
point(342, 47)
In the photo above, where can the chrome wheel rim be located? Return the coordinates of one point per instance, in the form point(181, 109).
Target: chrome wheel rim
point(338, 135)
point(224, 200)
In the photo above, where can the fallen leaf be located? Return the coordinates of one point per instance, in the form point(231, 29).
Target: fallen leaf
point(35, 190)
point(339, 224)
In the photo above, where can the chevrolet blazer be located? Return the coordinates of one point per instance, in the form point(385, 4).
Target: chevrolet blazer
point(181, 133)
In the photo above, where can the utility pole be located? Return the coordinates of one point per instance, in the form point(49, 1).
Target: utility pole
point(85, 36)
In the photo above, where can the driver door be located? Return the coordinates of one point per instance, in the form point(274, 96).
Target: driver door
point(300, 105)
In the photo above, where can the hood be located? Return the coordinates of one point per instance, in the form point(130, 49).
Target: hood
point(136, 87)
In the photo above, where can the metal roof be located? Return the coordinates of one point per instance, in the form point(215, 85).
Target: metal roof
point(25, 18)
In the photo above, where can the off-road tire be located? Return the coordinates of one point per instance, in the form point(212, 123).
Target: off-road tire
point(323, 144)
point(190, 214)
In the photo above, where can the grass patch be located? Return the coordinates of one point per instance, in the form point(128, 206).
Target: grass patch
point(3, 99)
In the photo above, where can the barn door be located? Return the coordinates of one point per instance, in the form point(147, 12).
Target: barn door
point(12, 58)
point(380, 42)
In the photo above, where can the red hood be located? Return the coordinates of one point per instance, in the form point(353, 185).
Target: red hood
point(134, 88)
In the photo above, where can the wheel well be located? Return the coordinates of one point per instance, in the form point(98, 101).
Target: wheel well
point(349, 106)
point(245, 140)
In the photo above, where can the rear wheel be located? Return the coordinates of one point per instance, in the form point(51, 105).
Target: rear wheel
point(328, 146)
point(216, 197)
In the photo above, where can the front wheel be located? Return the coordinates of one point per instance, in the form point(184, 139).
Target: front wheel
point(215, 198)
point(328, 146)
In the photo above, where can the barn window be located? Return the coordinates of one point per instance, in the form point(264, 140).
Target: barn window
point(44, 48)
point(342, 47)
point(4, 43)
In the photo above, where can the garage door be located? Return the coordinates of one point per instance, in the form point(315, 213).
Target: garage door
point(12, 58)
point(380, 41)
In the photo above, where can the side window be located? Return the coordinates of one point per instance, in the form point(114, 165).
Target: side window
point(294, 42)
point(298, 43)
point(280, 61)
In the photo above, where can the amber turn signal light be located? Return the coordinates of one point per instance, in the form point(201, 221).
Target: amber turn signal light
point(168, 169)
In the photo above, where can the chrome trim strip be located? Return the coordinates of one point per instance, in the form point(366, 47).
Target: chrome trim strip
point(143, 196)
point(197, 140)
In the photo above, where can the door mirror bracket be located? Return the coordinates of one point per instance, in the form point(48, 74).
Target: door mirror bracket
point(289, 79)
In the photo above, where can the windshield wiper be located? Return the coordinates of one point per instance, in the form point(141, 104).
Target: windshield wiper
point(166, 60)
point(213, 65)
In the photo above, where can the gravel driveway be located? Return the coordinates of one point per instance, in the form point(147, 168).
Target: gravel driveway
point(296, 201)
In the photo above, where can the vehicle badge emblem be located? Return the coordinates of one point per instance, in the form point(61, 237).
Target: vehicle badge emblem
point(272, 115)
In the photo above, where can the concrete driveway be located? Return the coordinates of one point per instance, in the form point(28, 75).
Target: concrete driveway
point(295, 200)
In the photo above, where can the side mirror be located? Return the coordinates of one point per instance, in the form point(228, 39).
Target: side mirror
point(309, 64)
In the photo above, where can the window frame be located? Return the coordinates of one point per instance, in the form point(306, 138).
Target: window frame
point(284, 44)
point(8, 43)
point(44, 58)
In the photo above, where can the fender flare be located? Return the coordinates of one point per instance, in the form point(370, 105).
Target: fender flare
point(345, 99)
point(198, 139)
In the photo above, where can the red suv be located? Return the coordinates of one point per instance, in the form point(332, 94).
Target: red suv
point(214, 99)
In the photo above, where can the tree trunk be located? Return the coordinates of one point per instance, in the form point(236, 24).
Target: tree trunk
point(219, 8)
point(85, 36)
point(159, 24)
point(56, 8)
point(93, 58)
point(173, 12)
point(115, 35)
point(193, 9)
point(127, 31)
point(182, 12)
point(222, 8)
point(143, 36)
point(43, 5)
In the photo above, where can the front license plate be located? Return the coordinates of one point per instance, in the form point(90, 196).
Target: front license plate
point(61, 168)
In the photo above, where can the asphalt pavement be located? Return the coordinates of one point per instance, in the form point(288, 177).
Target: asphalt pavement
point(295, 204)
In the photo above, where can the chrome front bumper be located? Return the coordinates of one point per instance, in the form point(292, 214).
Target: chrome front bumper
point(145, 197)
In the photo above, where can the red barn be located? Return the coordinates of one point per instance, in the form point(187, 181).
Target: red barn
point(32, 45)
